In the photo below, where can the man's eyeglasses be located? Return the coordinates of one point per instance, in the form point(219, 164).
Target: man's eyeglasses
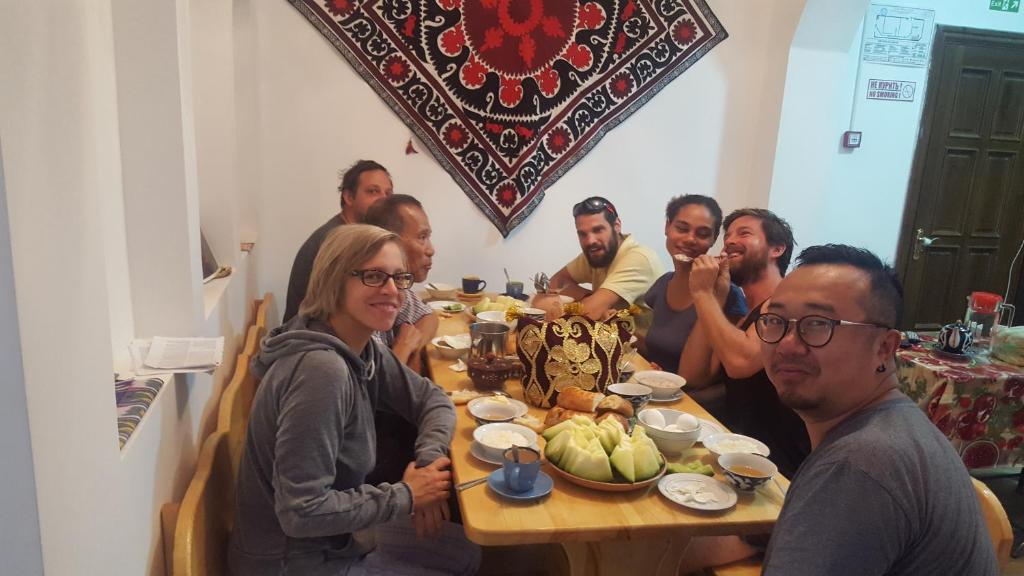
point(814, 331)
point(593, 205)
point(377, 278)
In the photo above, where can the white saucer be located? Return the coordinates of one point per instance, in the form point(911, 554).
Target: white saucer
point(478, 453)
point(671, 398)
point(725, 496)
point(440, 304)
point(707, 428)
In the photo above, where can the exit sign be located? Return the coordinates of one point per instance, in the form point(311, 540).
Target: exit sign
point(1004, 5)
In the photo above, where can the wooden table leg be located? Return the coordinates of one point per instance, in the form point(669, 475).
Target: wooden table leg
point(655, 555)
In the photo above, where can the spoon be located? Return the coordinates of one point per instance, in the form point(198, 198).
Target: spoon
point(470, 484)
point(507, 277)
point(432, 287)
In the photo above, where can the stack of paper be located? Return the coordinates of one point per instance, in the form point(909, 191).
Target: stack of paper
point(162, 355)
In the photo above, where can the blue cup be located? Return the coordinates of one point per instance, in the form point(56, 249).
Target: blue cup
point(472, 285)
point(514, 289)
point(521, 467)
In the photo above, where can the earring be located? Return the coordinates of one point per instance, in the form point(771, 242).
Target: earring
point(880, 369)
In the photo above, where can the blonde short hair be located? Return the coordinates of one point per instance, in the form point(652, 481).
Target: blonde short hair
point(343, 251)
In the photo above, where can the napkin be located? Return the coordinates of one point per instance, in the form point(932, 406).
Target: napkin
point(459, 366)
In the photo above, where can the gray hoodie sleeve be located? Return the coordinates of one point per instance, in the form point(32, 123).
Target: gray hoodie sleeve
point(311, 425)
point(419, 401)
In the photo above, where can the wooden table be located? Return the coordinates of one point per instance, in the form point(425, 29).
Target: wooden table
point(638, 532)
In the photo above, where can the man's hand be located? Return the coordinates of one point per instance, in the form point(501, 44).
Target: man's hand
point(723, 281)
point(429, 519)
point(430, 484)
point(704, 275)
point(407, 342)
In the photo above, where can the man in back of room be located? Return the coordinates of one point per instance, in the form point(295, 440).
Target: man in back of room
point(364, 183)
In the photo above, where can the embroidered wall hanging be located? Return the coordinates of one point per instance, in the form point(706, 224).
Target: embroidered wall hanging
point(509, 94)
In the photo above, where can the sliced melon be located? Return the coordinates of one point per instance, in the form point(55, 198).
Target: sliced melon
point(555, 430)
point(555, 448)
point(645, 461)
point(622, 459)
point(589, 464)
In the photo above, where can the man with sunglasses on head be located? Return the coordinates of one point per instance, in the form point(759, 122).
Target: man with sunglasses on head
point(883, 491)
point(758, 247)
point(618, 269)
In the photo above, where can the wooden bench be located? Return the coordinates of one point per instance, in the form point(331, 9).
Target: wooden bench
point(201, 524)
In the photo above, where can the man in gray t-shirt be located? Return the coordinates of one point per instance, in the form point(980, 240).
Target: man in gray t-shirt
point(882, 491)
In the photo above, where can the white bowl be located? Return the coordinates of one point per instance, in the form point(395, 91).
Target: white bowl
point(663, 385)
point(729, 443)
point(496, 317)
point(441, 291)
point(493, 441)
point(742, 480)
point(637, 394)
point(447, 351)
point(669, 441)
point(535, 313)
point(488, 409)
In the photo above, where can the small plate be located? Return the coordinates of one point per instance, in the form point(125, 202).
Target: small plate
point(712, 442)
point(671, 398)
point(438, 305)
point(707, 428)
point(522, 297)
point(521, 408)
point(541, 488)
point(478, 453)
point(725, 496)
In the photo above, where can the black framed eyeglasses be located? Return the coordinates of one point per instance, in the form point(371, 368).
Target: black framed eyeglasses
point(377, 278)
point(814, 331)
point(594, 205)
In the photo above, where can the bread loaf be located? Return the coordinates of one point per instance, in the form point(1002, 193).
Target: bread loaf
point(616, 404)
point(558, 414)
point(615, 415)
point(578, 399)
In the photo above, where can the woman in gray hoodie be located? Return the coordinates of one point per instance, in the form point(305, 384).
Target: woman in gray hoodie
point(302, 503)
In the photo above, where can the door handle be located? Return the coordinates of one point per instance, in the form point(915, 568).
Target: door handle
point(921, 241)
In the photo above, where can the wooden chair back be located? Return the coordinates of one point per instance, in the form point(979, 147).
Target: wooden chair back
point(998, 523)
point(235, 406)
point(206, 513)
point(266, 314)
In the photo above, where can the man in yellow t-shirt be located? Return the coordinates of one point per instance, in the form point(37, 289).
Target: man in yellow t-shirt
point(618, 268)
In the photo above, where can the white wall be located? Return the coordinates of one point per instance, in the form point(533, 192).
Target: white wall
point(20, 549)
point(711, 131)
point(77, 137)
point(834, 195)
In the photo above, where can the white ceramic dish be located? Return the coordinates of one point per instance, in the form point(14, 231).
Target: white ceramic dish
point(482, 454)
point(444, 305)
point(496, 316)
point(718, 495)
point(707, 428)
point(663, 385)
point(742, 481)
point(441, 291)
point(486, 434)
point(668, 441)
point(487, 409)
point(677, 396)
point(729, 443)
point(448, 351)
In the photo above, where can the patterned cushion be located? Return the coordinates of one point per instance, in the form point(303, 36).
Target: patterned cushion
point(570, 351)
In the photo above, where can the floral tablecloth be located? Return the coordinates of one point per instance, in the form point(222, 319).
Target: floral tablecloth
point(975, 401)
